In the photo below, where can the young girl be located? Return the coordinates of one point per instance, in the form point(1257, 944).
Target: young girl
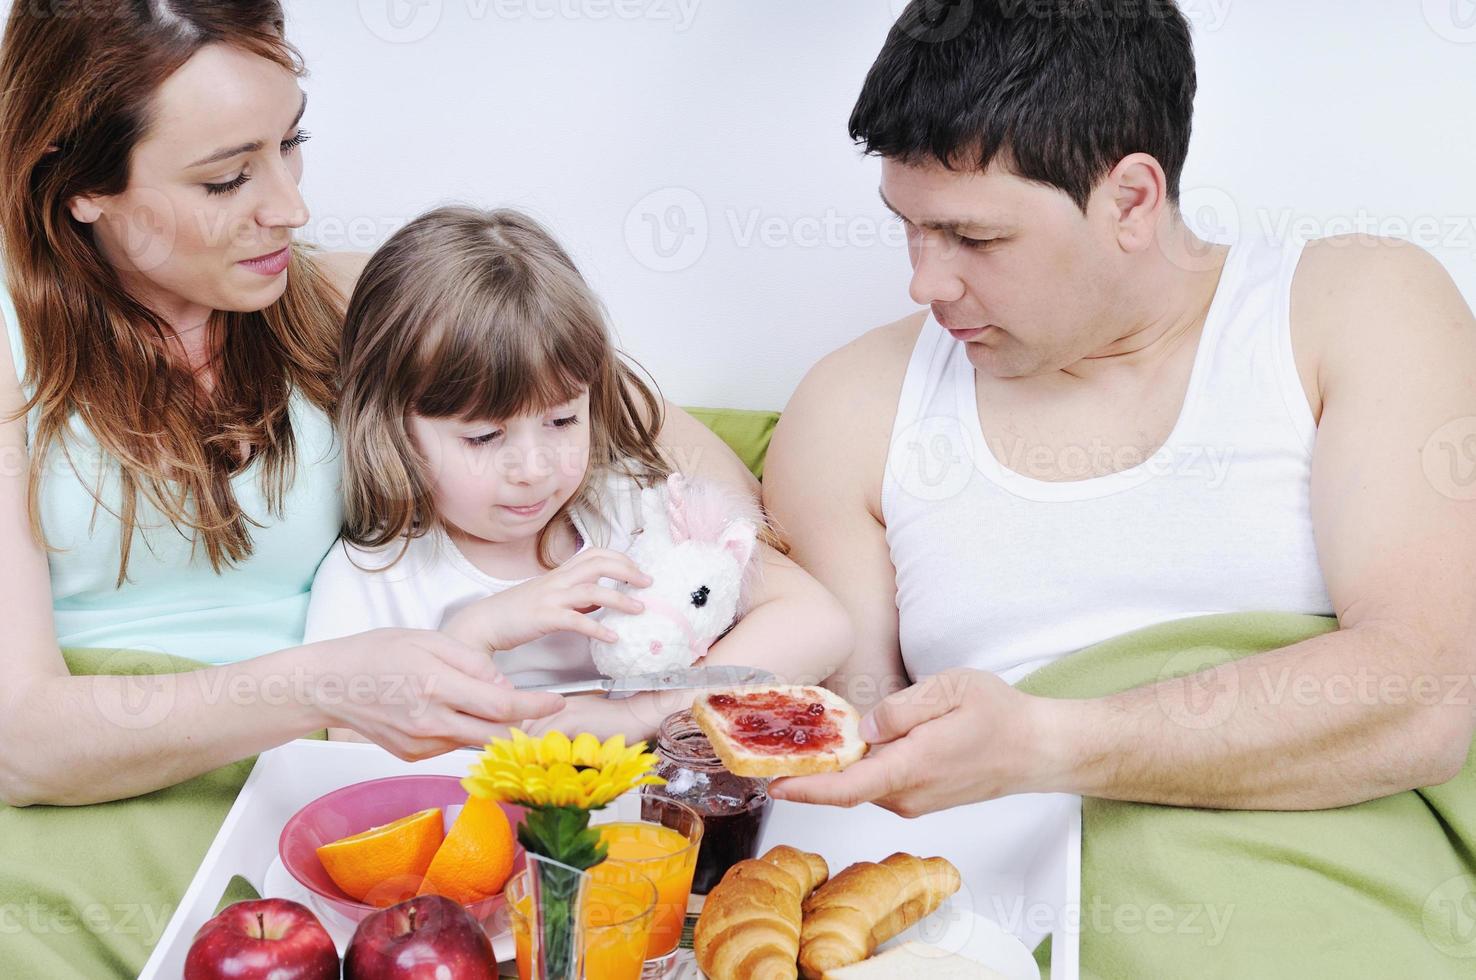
point(495, 445)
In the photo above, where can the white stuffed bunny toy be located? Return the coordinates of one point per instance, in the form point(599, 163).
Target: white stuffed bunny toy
point(696, 544)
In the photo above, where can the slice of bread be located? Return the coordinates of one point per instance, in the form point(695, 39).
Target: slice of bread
point(914, 961)
point(793, 758)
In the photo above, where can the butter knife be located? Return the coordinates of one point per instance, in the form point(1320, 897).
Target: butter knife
point(725, 675)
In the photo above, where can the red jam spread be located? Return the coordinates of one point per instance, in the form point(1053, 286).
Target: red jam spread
point(774, 724)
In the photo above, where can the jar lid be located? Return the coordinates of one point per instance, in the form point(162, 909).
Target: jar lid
point(681, 740)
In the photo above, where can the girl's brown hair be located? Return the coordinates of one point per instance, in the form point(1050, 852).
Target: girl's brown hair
point(472, 314)
point(76, 90)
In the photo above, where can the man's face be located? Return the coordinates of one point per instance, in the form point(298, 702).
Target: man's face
point(1010, 267)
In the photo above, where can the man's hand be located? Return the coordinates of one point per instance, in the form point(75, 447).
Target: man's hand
point(957, 737)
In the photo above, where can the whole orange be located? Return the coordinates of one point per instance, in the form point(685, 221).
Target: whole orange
point(476, 858)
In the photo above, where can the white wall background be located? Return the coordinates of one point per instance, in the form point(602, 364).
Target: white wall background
point(692, 153)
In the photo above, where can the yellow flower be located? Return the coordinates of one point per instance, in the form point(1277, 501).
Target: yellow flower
point(555, 772)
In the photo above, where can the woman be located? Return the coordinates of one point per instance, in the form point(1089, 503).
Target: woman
point(165, 392)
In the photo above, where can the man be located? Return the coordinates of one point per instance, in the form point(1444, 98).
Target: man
point(1102, 423)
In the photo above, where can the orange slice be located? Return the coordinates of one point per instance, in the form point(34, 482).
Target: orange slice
point(385, 865)
point(477, 856)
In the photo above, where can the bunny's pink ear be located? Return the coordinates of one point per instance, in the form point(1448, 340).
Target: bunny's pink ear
point(738, 539)
point(676, 507)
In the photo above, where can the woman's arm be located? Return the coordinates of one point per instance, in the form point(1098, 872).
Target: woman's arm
point(67, 739)
point(75, 740)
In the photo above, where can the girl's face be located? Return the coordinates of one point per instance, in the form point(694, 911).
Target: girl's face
point(501, 481)
point(212, 187)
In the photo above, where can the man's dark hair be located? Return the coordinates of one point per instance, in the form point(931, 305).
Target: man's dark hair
point(1058, 90)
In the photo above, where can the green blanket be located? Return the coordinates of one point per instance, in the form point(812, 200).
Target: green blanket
point(87, 891)
point(1382, 889)
point(1386, 888)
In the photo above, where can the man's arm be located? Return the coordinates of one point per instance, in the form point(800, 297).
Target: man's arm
point(1384, 704)
point(822, 485)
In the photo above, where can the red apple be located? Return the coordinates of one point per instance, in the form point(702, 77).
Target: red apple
point(428, 937)
point(267, 938)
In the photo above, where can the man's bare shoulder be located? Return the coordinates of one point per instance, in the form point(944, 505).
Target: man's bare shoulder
point(866, 371)
point(1355, 294)
point(838, 423)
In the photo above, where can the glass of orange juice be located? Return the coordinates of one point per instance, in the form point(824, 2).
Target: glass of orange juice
point(659, 838)
point(616, 918)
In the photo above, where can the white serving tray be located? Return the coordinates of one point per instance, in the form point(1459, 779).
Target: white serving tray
point(1020, 857)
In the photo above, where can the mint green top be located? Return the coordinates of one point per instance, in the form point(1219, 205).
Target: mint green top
point(173, 602)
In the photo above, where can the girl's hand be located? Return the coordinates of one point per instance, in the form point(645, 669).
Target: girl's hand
point(602, 717)
point(553, 602)
point(417, 693)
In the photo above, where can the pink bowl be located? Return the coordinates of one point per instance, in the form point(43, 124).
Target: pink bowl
point(354, 809)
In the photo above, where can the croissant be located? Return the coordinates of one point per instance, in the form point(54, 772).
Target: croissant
point(750, 923)
point(867, 904)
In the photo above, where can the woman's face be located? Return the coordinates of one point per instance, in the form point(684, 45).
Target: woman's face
point(212, 186)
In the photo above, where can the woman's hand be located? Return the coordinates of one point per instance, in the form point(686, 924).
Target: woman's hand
point(553, 602)
point(417, 693)
point(602, 717)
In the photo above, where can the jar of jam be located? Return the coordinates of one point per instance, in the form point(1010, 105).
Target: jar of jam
point(734, 808)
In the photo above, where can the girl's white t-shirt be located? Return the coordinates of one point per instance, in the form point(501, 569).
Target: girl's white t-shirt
point(354, 591)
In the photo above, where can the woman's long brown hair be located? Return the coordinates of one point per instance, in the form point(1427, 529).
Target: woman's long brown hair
point(77, 90)
point(481, 315)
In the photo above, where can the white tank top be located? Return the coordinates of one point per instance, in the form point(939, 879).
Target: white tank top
point(1003, 572)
